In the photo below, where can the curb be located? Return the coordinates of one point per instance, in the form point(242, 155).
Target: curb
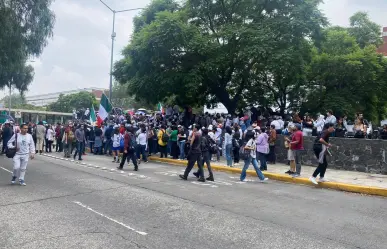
point(286, 178)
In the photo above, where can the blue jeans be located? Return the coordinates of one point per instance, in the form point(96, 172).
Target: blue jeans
point(108, 146)
point(255, 165)
point(262, 160)
point(79, 150)
point(228, 154)
point(141, 151)
point(181, 147)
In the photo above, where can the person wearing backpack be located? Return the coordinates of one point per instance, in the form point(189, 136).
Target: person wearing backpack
point(251, 157)
point(206, 155)
point(129, 149)
point(236, 145)
point(320, 148)
point(163, 141)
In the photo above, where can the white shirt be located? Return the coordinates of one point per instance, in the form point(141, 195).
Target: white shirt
point(212, 135)
point(25, 144)
point(253, 152)
point(142, 139)
point(276, 124)
point(116, 140)
point(281, 122)
point(50, 135)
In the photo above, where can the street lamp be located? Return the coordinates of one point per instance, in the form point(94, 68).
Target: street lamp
point(114, 36)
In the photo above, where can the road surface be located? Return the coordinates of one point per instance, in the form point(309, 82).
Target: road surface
point(91, 205)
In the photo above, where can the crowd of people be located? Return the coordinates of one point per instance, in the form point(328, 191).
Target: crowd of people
point(200, 139)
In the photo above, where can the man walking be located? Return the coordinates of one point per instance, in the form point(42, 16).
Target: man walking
point(80, 137)
point(194, 155)
point(129, 149)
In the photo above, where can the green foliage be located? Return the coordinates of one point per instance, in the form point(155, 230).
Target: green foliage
point(66, 103)
point(216, 51)
point(121, 98)
point(364, 30)
point(25, 27)
point(18, 101)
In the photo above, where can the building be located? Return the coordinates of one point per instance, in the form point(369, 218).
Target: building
point(46, 99)
point(383, 48)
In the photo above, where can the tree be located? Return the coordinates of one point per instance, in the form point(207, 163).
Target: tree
point(121, 98)
point(364, 30)
point(66, 103)
point(218, 51)
point(25, 27)
point(346, 78)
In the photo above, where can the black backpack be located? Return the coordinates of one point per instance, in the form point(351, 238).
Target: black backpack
point(235, 143)
point(165, 137)
point(244, 154)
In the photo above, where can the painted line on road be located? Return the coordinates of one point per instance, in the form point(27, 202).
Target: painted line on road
point(6, 170)
point(111, 219)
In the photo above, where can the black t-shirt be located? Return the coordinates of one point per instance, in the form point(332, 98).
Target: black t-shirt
point(196, 146)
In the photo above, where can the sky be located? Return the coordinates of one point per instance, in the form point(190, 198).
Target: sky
point(78, 56)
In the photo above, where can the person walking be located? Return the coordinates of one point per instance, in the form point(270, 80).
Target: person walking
point(25, 150)
point(80, 138)
point(251, 146)
point(206, 155)
point(320, 148)
point(236, 142)
point(129, 149)
point(194, 155)
point(40, 136)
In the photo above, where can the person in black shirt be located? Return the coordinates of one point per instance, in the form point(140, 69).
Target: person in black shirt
point(320, 149)
point(383, 133)
point(194, 155)
point(205, 147)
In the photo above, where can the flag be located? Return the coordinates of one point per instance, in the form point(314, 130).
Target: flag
point(93, 117)
point(160, 108)
point(104, 108)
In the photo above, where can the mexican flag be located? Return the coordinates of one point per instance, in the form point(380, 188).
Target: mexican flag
point(160, 108)
point(93, 117)
point(104, 108)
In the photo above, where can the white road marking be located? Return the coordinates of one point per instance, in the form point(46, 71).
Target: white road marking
point(111, 219)
point(104, 168)
point(72, 160)
point(204, 184)
point(6, 170)
point(96, 166)
point(122, 172)
point(67, 159)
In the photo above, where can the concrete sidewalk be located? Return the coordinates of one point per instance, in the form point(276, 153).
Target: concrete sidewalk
point(357, 182)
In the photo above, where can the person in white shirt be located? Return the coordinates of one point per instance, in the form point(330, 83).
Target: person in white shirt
point(25, 149)
point(277, 125)
point(319, 123)
point(142, 144)
point(331, 119)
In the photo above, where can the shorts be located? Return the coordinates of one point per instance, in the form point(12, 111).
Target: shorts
point(116, 148)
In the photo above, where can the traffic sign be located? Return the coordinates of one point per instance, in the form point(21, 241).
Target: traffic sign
point(18, 114)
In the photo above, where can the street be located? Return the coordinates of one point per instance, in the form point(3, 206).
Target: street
point(92, 205)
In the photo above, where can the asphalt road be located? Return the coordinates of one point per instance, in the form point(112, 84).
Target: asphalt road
point(70, 205)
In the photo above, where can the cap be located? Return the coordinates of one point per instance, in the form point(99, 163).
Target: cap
point(298, 126)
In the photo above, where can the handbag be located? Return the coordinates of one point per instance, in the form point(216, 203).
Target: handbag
point(11, 152)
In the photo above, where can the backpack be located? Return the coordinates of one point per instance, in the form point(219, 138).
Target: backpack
point(244, 154)
point(204, 144)
point(122, 142)
point(133, 142)
point(213, 147)
point(165, 137)
point(70, 135)
point(235, 143)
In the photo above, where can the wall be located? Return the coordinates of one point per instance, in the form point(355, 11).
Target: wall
point(347, 154)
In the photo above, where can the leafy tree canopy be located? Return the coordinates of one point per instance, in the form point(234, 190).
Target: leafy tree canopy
point(208, 51)
point(25, 27)
point(122, 99)
point(66, 103)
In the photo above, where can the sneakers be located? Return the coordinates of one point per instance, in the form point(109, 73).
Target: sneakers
point(196, 174)
point(13, 180)
point(210, 178)
point(313, 180)
point(201, 179)
point(322, 179)
point(295, 175)
point(265, 180)
point(22, 183)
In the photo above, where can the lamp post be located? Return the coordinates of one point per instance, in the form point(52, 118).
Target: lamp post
point(113, 37)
